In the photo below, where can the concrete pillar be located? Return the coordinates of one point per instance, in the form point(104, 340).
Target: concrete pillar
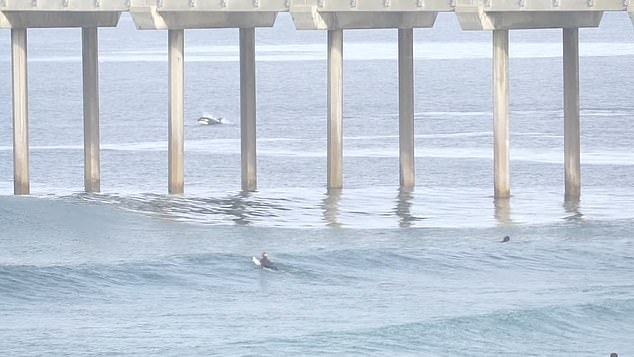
point(335, 109)
point(502, 179)
point(90, 53)
point(572, 208)
point(406, 107)
point(247, 109)
point(21, 182)
point(176, 126)
point(572, 140)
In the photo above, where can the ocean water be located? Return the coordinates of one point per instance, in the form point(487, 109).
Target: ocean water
point(369, 270)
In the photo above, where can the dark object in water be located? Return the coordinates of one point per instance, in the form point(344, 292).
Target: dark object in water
point(614, 354)
point(506, 239)
point(264, 262)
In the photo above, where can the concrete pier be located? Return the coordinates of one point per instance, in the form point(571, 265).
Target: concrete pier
point(247, 109)
point(502, 178)
point(21, 182)
point(407, 174)
point(335, 16)
point(335, 109)
point(176, 126)
point(572, 140)
point(90, 53)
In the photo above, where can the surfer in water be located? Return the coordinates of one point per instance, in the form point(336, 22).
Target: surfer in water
point(265, 262)
point(506, 239)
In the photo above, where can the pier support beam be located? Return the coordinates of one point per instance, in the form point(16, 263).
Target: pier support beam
point(176, 126)
point(406, 107)
point(502, 179)
point(90, 53)
point(247, 109)
point(335, 109)
point(21, 182)
point(572, 140)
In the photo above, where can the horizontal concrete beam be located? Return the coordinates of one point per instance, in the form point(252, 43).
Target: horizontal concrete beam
point(309, 14)
point(545, 5)
point(64, 5)
point(150, 18)
point(49, 19)
point(222, 5)
point(308, 18)
point(476, 18)
point(375, 6)
point(366, 14)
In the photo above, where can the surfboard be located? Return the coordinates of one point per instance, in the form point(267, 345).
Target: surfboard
point(256, 261)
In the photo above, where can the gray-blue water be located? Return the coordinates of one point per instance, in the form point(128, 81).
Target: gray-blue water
point(369, 270)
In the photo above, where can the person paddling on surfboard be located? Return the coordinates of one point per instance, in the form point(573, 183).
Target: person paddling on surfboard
point(265, 262)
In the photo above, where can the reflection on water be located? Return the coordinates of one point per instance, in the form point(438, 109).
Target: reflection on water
point(330, 207)
point(378, 207)
point(571, 205)
point(242, 208)
point(503, 211)
point(239, 209)
point(403, 207)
